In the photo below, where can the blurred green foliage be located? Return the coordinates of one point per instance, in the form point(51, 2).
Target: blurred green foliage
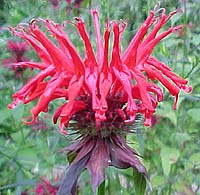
point(170, 149)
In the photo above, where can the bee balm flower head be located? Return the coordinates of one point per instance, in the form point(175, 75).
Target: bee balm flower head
point(101, 94)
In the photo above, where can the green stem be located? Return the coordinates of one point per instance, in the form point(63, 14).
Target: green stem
point(170, 189)
point(17, 162)
point(22, 134)
point(105, 11)
point(185, 37)
point(101, 188)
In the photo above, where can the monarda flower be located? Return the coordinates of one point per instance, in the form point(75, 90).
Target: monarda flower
point(18, 50)
point(45, 187)
point(39, 125)
point(74, 5)
point(55, 4)
point(102, 92)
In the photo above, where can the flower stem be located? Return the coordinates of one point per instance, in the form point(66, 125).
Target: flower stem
point(101, 188)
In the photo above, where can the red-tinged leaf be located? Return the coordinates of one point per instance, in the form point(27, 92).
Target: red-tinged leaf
point(99, 160)
point(87, 148)
point(122, 156)
point(68, 185)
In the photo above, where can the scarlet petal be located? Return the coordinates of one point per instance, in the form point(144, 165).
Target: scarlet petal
point(98, 37)
point(143, 90)
point(41, 51)
point(145, 50)
point(153, 73)
point(58, 57)
point(30, 64)
point(67, 111)
point(47, 95)
point(104, 85)
point(69, 49)
point(91, 66)
point(29, 88)
point(129, 57)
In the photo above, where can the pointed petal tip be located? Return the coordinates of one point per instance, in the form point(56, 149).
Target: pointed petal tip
point(29, 120)
point(147, 121)
point(130, 120)
point(12, 105)
point(187, 89)
point(94, 12)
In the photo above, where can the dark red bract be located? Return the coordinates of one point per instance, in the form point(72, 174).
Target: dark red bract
point(96, 153)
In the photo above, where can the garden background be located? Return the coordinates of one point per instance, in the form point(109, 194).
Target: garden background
point(170, 147)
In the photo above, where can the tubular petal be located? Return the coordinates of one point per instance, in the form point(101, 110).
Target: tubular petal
point(104, 89)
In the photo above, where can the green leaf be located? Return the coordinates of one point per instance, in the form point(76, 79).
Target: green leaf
point(180, 138)
point(139, 182)
point(195, 160)
point(52, 142)
point(194, 113)
point(17, 112)
point(168, 157)
point(71, 156)
point(4, 114)
point(157, 181)
point(85, 4)
point(26, 182)
point(27, 157)
point(18, 137)
point(167, 111)
point(101, 188)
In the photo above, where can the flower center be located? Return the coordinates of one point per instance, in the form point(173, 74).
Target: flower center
point(85, 120)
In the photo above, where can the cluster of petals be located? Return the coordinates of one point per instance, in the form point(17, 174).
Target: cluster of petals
point(45, 187)
point(130, 75)
point(18, 49)
point(70, 4)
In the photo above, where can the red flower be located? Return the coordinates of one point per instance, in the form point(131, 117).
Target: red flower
point(125, 77)
point(102, 95)
point(75, 3)
point(18, 50)
point(55, 3)
point(40, 125)
point(46, 188)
